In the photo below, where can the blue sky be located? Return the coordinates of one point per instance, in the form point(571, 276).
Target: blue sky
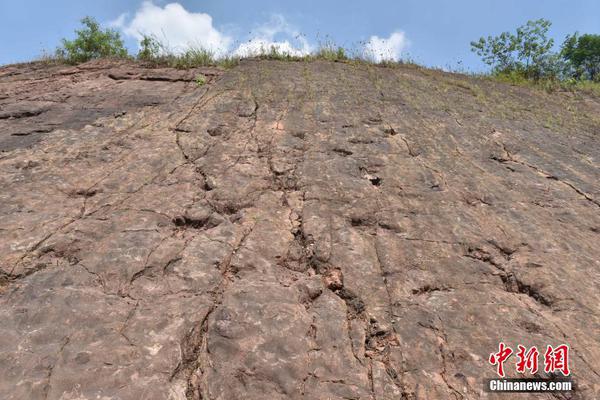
point(432, 32)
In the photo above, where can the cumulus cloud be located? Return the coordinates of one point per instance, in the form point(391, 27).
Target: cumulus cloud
point(264, 39)
point(176, 27)
point(386, 49)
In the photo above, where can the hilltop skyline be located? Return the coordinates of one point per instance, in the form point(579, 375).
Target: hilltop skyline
point(433, 33)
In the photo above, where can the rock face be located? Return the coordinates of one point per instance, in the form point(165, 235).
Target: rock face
point(291, 231)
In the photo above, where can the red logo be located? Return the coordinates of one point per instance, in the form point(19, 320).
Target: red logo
point(527, 359)
point(555, 359)
point(500, 357)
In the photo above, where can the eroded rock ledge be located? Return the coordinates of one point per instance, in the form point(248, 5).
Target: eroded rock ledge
point(290, 231)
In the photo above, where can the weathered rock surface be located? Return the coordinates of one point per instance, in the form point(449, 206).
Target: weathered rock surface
point(290, 230)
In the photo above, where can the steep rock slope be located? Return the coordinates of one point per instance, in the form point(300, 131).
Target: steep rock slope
point(290, 230)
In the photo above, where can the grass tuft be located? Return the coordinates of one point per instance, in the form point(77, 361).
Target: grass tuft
point(330, 52)
point(200, 80)
point(549, 85)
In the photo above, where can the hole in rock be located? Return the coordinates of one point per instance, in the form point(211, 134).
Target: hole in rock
point(184, 221)
point(343, 152)
point(375, 181)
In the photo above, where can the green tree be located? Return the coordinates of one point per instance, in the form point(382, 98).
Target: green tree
point(150, 48)
point(528, 51)
point(583, 55)
point(92, 42)
point(496, 51)
point(532, 44)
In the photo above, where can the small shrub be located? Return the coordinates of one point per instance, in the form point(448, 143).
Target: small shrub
point(387, 63)
point(48, 58)
point(512, 76)
point(193, 57)
point(228, 61)
point(330, 52)
point(92, 42)
point(200, 80)
point(154, 51)
point(274, 53)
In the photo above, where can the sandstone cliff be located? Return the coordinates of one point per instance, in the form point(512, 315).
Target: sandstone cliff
point(290, 230)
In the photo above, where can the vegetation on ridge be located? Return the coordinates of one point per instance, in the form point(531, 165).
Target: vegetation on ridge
point(525, 57)
point(92, 42)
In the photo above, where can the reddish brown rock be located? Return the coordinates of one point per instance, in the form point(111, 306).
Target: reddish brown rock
point(290, 230)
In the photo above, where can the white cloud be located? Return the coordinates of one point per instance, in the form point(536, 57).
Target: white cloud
point(386, 49)
point(264, 39)
point(119, 22)
point(176, 27)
